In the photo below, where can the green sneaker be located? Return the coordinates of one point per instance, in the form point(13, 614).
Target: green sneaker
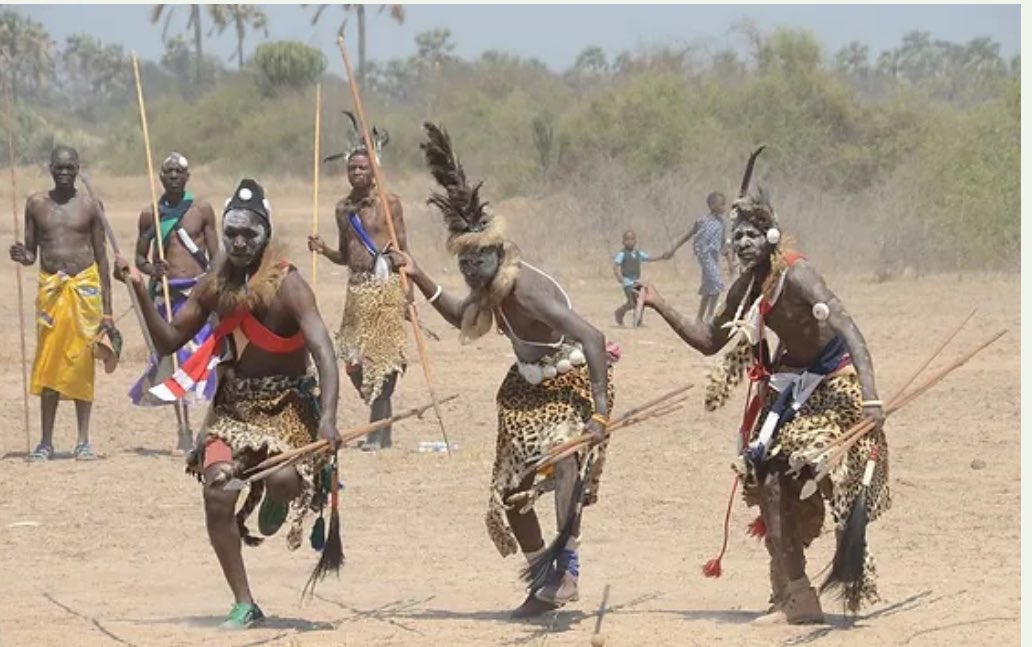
point(242, 616)
point(271, 516)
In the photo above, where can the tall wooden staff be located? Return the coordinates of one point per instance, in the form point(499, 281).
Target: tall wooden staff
point(382, 192)
point(17, 266)
point(315, 182)
point(180, 407)
point(135, 300)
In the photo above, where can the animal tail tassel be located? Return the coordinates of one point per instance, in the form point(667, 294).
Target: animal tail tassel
point(847, 569)
point(332, 555)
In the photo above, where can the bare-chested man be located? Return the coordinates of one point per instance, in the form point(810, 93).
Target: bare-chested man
point(818, 382)
point(371, 339)
point(269, 326)
point(191, 241)
point(73, 303)
point(559, 386)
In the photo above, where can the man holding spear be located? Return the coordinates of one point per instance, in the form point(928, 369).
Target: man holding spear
point(371, 339)
point(64, 229)
point(809, 392)
point(559, 386)
point(190, 241)
point(266, 402)
point(372, 142)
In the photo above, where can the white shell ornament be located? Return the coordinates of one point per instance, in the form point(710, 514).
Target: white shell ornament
point(228, 200)
point(821, 311)
point(244, 193)
point(773, 236)
point(265, 203)
point(564, 366)
point(532, 373)
point(549, 372)
point(577, 357)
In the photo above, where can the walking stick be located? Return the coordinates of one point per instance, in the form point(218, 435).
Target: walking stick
point(110, 235)
point(179, 405)
point(382, 191)
point(18, 266)
point(315, 183)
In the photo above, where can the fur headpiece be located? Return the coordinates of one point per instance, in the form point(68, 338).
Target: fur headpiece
point(470, 225)
point(356, 146)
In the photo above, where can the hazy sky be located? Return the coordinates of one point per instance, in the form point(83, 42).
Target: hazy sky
point(556, 34)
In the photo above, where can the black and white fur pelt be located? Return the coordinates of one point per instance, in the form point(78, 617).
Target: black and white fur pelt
point(355, 144)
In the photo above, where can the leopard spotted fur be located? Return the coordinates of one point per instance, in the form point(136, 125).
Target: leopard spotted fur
point(372, 331)
point(531, 420)
point(830, 411)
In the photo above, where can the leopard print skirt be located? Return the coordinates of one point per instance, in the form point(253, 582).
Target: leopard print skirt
point(531, 420)
point(262, 417)
point(372, 330)
point(832, 409)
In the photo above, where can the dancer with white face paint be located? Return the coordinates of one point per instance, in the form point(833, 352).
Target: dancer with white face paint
point(560, 386)
point(267, 403)
point(812, 388)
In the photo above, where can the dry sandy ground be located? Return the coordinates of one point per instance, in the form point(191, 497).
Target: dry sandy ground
point(117, 552)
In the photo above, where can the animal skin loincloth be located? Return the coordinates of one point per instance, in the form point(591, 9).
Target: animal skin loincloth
point(372, 330)
point(266, 416)
point(533, 418)
point(831, 410)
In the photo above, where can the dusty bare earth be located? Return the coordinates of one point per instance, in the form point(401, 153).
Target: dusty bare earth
point(116, 551)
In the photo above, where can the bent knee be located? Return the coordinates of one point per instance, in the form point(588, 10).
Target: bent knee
point(283, 485)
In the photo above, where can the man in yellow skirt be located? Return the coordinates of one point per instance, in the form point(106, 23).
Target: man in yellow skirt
point(73, 301)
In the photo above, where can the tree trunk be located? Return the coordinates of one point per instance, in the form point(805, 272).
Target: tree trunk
point(198, 41)
point(360, 9)
point(240, 45)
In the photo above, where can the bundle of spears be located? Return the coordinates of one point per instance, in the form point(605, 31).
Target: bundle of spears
point(847, 568)
point(537, 571)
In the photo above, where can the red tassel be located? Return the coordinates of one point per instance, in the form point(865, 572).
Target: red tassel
point(712, 567)
point(757, 528)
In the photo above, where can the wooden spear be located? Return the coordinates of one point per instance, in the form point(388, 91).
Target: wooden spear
point(17, 267)
point(382, 191)
point(179, 405)
point(315, 182)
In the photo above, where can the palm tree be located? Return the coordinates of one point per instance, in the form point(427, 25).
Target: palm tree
point(241, 17)
point(397, 12)
point(192, 22)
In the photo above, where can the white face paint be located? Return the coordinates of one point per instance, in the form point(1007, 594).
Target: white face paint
point(749, 243)
point(243, 236)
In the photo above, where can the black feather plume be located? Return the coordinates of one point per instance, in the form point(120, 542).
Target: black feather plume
point(460, 204)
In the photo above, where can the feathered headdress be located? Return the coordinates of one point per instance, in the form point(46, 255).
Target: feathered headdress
point(355, 144)
point(470, 225)
point(755, 210)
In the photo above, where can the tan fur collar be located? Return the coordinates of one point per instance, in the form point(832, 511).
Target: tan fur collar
point(478, 311)
point(259, 290)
